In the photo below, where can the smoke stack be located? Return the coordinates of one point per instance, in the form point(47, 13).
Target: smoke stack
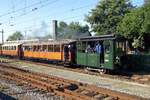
point(54, 29)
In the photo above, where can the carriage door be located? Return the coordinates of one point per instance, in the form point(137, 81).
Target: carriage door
point(66, 53)
point(20, 51)
point(109, 54)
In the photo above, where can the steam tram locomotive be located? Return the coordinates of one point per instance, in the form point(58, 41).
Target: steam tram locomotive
point(71, 51)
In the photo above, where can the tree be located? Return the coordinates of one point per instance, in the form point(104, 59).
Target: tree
point(146, 2)
point(72, 30)
point(136, 26)
point(15, 36)
point(105, 17)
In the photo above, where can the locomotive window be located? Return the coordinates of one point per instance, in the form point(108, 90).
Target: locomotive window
point(56, 48)
point(50, 48)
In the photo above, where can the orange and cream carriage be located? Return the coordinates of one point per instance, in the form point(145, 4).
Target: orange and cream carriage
point(51, 50)
point(11, 49)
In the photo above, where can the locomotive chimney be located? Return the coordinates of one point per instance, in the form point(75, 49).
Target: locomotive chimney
point(54, 29)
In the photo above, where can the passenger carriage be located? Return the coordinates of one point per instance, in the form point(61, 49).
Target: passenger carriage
point(50, 50)
point(108, 59)
point(11, 49)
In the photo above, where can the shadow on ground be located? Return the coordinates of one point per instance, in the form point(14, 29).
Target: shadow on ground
point(6, 97)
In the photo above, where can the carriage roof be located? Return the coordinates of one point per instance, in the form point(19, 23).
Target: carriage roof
point(49, 42)
point(97, 38)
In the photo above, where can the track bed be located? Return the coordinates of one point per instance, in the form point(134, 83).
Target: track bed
point(61, 87)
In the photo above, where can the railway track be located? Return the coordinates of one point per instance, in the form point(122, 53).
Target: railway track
point(68, 89)
point(121, 75)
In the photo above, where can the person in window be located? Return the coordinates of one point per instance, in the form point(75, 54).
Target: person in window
point(89, 49)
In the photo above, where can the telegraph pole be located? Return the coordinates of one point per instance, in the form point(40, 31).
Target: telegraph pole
point(2, 36)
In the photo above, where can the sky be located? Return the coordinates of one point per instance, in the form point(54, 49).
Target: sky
point(34, 17)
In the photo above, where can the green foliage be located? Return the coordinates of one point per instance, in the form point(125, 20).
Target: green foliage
point(146, 2)
point(136, 24)
point(71, 30)
point(15, 36)
point(105, 17)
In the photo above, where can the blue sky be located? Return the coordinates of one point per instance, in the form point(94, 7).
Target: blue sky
point(36, 18)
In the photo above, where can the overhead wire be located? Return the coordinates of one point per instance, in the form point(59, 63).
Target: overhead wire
point(33, 10)
point(67, 11)
point(70, 10)
point(20, 9)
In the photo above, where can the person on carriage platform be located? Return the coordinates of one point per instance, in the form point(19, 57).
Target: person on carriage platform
point(66, 52)
point(99, 49)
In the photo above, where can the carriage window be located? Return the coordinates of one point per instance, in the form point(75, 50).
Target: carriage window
point(45, 48)
point(12, 48)
point(56, 48)
point(15, 47)
point(50, 48)
point(107, 46)
point(26, 48)
point(121, 46)
point(34, 48)
point(39, 48)
point(30, 48)
point(79, 46)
